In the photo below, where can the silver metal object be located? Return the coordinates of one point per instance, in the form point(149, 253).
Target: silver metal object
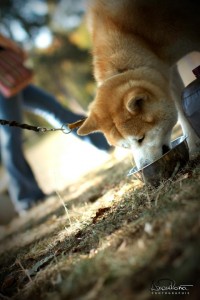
point(165, 167)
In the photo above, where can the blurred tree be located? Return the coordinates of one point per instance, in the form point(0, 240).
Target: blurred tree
point(70, 77)
point(50, 30)
point(22, 20)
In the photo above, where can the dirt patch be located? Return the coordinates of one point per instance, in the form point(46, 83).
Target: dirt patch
point(113, 238)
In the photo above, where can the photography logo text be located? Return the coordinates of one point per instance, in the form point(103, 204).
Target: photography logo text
point(169, 287)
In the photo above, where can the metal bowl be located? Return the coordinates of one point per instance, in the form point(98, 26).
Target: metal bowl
point(166, 166)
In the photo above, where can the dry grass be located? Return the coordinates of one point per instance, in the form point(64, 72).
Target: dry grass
point(111, 239)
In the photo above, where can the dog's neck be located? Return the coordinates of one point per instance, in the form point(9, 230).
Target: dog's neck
point(117, 59)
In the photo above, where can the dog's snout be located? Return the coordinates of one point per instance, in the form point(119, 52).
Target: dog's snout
point(165, 149)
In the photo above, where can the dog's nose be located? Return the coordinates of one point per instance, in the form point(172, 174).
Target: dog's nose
point(165, 149)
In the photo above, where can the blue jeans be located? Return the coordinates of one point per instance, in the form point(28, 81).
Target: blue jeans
point(23, 187)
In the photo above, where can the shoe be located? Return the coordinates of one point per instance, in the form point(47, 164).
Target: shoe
point(7, 210)
point(25, 205)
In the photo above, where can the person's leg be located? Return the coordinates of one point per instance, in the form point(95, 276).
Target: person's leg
point(45, 105)
point(193, 140)
point(23, 187)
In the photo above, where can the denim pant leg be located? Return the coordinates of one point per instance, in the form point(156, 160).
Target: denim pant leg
point(45, 105)
point(23, 187)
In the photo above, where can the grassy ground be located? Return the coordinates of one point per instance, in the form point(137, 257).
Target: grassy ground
point(106, 237)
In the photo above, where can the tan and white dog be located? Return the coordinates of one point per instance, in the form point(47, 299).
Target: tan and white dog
point(136, 45)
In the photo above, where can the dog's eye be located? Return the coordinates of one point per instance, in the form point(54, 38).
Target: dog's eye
point(141, 140)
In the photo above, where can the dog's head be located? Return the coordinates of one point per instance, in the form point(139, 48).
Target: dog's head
point(134, 113)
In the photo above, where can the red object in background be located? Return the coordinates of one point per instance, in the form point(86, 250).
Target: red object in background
point(14, 76)
point(196, 72)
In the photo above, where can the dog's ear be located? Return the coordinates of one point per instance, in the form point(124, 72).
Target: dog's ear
point(136, 101)
point(89, 125)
